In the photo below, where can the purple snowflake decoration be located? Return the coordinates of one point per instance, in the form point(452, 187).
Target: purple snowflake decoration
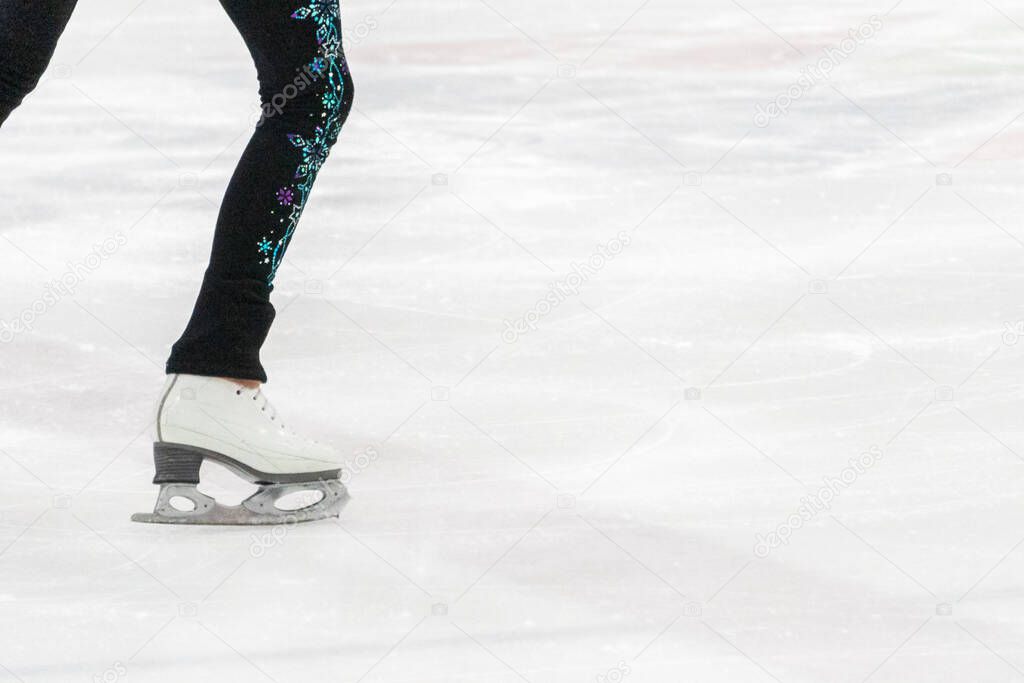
point(285, 196)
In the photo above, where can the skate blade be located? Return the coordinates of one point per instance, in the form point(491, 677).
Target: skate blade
point(257, 510)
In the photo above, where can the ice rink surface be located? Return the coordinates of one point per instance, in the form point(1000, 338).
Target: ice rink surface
point(593, 497)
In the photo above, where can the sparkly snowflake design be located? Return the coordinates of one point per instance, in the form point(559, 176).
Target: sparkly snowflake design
point(313, 148)
point(285, 196)
point(326, 15)
point(314, 153)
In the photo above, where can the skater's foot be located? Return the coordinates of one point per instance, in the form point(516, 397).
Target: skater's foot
point(238, 421)
point(220, 420)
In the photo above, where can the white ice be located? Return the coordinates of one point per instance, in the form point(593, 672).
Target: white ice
point(580, 503)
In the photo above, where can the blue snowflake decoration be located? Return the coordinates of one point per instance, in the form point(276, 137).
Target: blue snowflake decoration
point(314, 148)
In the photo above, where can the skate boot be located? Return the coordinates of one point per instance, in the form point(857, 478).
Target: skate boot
point(207, 418)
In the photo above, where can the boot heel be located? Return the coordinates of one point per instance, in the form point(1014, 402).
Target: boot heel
point(176, 464)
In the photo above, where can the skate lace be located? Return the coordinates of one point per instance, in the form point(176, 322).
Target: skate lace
point(264, 405)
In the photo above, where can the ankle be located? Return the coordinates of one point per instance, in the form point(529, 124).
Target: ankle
point(247, 383)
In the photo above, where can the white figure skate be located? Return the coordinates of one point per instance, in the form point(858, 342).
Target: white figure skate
point(207, 418)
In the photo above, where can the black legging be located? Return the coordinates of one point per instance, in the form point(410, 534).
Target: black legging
point(306, 92)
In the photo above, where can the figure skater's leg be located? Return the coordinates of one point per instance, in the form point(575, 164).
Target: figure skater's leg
point(306, 92)
point(29, 30)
